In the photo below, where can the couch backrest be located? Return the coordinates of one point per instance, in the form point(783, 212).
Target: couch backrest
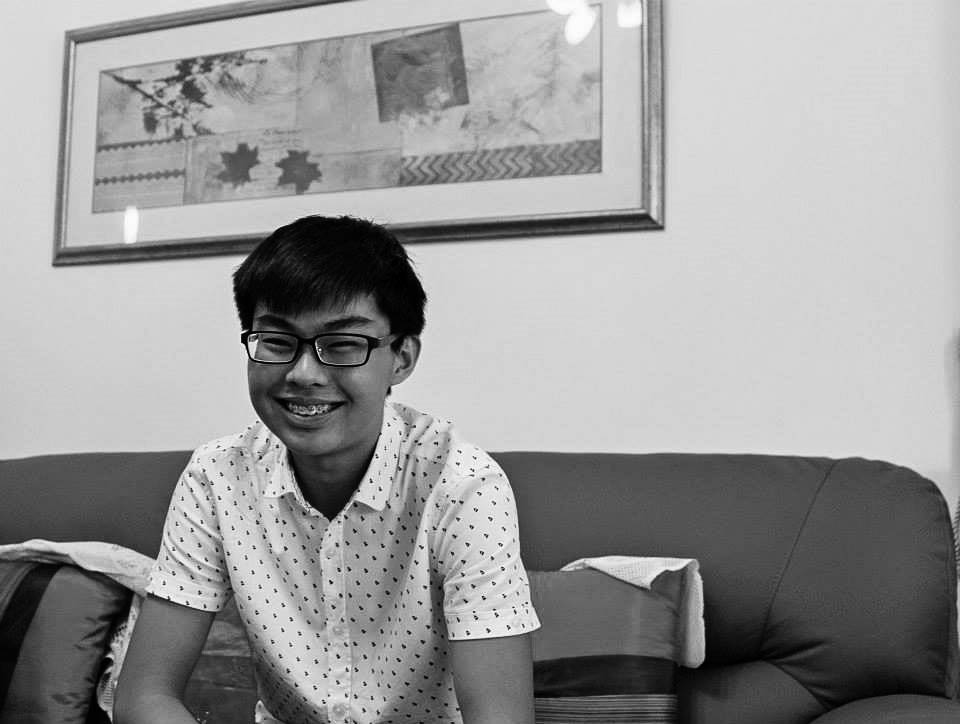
point(825, 581)
point(114, 497)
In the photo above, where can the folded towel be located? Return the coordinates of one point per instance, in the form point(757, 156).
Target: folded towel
point(642, 572)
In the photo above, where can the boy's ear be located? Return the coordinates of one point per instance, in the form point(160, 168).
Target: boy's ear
point(405, 359)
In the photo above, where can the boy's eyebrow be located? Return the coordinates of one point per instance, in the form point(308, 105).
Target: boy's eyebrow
point(353, 320)
point(272, 319)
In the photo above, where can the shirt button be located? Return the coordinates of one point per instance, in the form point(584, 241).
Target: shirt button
point(330, 553)
point(339, 710)
point(339, 630)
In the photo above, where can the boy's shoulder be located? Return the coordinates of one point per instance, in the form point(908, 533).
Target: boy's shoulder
point(434, 443)
point(255, 441)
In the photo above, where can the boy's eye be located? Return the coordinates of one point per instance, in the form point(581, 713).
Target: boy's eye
point(344, 345)
point(276, 341)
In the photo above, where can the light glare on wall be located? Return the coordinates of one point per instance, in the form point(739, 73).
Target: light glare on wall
point(630, 14)
point(131, 225)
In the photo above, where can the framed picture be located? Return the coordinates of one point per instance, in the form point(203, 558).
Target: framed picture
point(200, 132)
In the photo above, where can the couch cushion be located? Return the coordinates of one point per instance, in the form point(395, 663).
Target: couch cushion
point(902, 709)
point(755, 692)
point(738, 515)
point(848, 619)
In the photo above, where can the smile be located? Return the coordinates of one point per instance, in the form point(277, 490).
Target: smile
point(310, 410)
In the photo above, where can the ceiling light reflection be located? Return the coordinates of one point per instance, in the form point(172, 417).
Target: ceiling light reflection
point(579, 24)
point(630, 14)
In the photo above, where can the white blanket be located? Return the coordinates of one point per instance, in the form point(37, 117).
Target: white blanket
point(125, 566)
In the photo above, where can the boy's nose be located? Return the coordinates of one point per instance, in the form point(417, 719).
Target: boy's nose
point(307, 368)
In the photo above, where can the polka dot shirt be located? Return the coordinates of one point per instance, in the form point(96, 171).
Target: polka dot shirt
point(348, 619)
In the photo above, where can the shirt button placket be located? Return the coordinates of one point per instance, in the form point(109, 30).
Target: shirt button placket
point(338, 633)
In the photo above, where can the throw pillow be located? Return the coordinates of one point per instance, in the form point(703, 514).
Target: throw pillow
point(607, 650)
point(55, 623)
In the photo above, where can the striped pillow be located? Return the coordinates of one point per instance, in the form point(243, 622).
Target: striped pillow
point(55, 622)
point(606, 650)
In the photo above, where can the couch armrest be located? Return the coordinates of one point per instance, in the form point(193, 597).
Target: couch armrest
point(897, 709)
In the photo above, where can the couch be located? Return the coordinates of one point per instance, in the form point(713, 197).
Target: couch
point(830, 585)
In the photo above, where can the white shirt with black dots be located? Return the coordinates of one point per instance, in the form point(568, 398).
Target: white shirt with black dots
point(348, 619)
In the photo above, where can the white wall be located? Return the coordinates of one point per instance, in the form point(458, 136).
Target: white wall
point(802, 299)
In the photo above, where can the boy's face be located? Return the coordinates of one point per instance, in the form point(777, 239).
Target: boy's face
point(328, 416)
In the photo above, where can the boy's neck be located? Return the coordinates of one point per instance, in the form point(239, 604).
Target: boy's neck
point(327, 485)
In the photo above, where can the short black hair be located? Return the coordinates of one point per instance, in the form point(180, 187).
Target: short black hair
point(319, 261)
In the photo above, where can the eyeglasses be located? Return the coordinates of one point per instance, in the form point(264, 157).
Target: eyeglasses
point(333, 349)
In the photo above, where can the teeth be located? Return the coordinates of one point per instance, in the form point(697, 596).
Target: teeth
point(309, 409)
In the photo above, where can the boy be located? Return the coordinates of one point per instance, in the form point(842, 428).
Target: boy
point(372, 553)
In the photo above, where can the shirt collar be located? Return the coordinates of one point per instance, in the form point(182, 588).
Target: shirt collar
point(278, 479)
point(377, 481)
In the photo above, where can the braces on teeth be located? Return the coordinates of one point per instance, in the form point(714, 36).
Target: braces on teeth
point(309, 409)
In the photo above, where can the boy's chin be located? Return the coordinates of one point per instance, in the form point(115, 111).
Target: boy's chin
point(310, 443)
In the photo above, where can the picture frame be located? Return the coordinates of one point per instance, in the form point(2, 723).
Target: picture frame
point(197, 133)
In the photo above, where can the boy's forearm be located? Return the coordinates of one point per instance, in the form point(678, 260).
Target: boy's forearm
point(163, 650)
point(497, 717)
point(151, 709)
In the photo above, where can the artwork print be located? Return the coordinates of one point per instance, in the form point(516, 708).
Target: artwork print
point(487, 99)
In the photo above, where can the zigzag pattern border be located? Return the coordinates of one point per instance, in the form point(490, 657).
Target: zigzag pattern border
point(134, 177)
point(138, 144)
point(497, 164)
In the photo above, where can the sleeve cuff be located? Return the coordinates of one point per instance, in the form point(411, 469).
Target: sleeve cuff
point(187, 593)
point(511, 621)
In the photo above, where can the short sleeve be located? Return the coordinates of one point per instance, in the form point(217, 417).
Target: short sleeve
point(485, 589)
point(190, 568)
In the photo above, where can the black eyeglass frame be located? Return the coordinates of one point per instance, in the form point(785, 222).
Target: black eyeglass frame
point(372, 344)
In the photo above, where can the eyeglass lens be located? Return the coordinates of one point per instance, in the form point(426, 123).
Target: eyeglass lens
point(333, 349)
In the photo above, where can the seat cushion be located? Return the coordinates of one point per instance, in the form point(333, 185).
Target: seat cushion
point(897, 709)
